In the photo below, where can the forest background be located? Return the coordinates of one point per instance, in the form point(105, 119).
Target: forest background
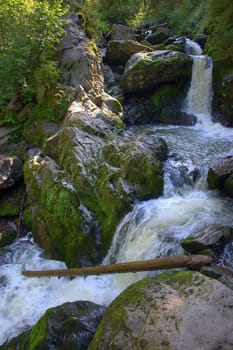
point(30, 31)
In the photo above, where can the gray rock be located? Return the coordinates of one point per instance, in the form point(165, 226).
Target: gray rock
point(80, 61)
point(209, 237)
point(180, 310)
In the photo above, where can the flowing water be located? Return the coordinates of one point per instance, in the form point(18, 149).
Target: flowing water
point(154, 228)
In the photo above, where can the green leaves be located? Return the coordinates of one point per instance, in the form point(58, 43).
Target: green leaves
point(29, 33)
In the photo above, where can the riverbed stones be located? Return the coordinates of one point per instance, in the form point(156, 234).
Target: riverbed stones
point(146, 70)
point(220, 175)
point(179, 310)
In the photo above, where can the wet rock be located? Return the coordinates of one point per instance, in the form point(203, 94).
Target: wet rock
point(159, 105)
point(209, 237)
point(220, 175)
point(146, 70)
point(179, 310)
point(11, 171)
point(119, 51)
point(65, 327)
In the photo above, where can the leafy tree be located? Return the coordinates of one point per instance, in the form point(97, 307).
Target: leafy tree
point(29, 33)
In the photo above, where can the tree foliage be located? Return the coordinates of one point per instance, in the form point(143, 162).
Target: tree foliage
point(29, 33)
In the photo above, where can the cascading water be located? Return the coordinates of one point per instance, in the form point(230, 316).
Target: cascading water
point(199, 97)
point(154, 228)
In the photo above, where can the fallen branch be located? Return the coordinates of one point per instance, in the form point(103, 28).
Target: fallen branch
point(190, 261)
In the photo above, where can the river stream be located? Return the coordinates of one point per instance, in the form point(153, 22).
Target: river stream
point(152, 229)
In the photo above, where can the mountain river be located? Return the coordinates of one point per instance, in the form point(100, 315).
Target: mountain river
point(152, 229)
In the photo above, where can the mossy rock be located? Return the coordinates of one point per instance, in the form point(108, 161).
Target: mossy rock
point(66, 327)
point(159, 313)
point(56, 216)
point(147, 70)
point(78, 195)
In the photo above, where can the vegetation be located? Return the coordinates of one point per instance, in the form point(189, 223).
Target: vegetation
point(29, 33)
point(31, 29)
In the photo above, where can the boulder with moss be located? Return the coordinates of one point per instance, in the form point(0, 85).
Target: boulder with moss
point(87, 179)
point(147, 70)
point(220, 175)
point(177, 310)
point(65, 327)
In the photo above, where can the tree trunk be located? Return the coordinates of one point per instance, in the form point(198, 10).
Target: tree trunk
point(190, 261)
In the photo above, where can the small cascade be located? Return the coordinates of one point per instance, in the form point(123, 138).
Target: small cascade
point(199, 98)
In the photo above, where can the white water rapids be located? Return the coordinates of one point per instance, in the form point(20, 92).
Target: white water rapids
point(154, 228)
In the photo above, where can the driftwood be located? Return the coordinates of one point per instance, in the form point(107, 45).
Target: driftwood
point(190, 261)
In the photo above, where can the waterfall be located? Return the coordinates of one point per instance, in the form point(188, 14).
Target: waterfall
point(199, 97)
point(152, 229)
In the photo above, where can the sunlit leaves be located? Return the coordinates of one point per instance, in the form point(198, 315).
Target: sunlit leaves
point(29, 33)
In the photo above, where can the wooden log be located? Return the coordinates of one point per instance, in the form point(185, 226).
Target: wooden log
point(190, 261)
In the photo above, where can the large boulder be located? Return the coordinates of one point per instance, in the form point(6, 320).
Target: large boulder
point(179, 310)
point(86, 183)
point(147, 70)
point(119, 51)
point(220, 175)
point(65, 327)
